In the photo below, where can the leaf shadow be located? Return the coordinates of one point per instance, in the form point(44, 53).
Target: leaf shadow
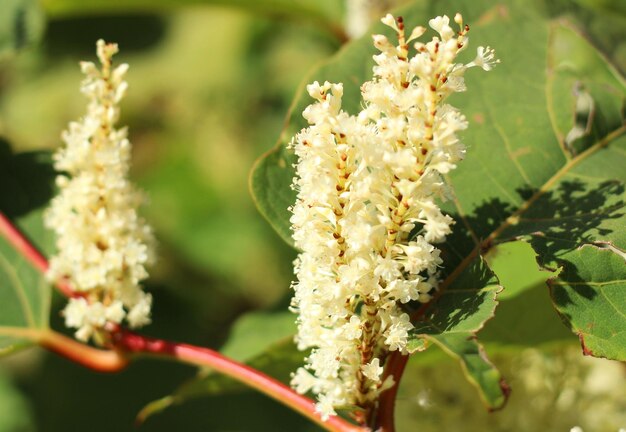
point(464, 306)
point(575, 214)
point(556, 223)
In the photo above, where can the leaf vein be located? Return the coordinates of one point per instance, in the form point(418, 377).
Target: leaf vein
point(18, 287)
point(562, 282)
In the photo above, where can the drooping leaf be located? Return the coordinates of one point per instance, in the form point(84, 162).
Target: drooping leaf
point(25, 185)
point(516, 265)
point(451, 322)
point(519, 161)
point(478, 370)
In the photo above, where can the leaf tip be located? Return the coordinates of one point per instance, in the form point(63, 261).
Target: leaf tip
point(153, 408)
point(586, 350)
point(506, 390)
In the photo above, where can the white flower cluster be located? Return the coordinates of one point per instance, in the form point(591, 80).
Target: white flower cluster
point(366, 216)
point(103, 245)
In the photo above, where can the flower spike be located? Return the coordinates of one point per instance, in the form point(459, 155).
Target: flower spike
point(103, 245)
point(367, 217)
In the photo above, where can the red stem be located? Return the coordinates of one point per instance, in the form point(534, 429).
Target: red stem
point(396, 363)
point(127, 344)
point(132, 343)
point(92, 358)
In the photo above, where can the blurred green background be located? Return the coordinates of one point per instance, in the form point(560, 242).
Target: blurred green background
point(209, 90)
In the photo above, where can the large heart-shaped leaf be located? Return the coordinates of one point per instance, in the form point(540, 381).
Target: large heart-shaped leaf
point(543, 144)
point(25, 181)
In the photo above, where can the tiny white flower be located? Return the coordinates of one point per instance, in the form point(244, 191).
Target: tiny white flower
point(139, 314)
point(390, 21)
point(115, 312)
point(325, 406)
point(373, 370)
point(352, 329)
point(416, 33)
point(441, 25)
point(75, 312)
point(485, 58)
point(397, 334)
point(303, 381)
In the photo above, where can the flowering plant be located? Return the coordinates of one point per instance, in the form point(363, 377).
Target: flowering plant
point(410, 204)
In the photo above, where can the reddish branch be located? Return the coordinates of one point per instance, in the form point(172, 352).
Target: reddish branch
point(384, 421)
point(92, 358)
point(130, 343)
point(125, 345)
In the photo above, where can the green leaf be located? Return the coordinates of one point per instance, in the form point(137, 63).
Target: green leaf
point(268, 178)
point(25, 185)
point(451, 322)
point(261, 340)
point(25, 294)
point(21, 25)
point(253, 332)
point(525, 317)
point(516, 265)
point(520, 173)
point(326, 13)
point(590, 295)
point(478, 370)
point(576, 227)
